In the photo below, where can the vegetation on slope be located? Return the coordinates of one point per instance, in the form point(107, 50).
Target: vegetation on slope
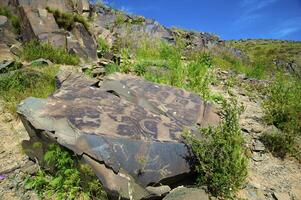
point(31, 81)
point(34, 50)
point(67, 20)
point(13, 18)
point(263, 54)
point(67, 178)
point(283, 110)
point(162, 63)
point(221, 162)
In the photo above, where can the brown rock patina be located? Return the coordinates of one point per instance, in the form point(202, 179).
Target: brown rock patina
point(128, 129)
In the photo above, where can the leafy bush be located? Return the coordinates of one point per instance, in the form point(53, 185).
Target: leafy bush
point(67, 20)
point(34, 50)
point(32, 81)
point(120, 19)
point(283, 109)
point(67, 178)
point(221, 163)
point(102, 46)
point(15, 20)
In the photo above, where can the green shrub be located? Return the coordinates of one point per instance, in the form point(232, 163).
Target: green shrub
point(34, 50)
point(120, 19)
point(221, 162)
point(67, 20)
point(15, 20)
point(283, 109)
point(102, 46)
point(199, 75)
point(32, 81)
point(66, 179)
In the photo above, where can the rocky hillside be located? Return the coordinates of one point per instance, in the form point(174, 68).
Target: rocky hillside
point(271, 54)
point(96, 103)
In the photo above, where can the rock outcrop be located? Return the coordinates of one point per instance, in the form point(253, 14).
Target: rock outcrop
point(113, 26)
point(127, 129)
point(38, 24)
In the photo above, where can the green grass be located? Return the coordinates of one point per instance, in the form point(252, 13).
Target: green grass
point(14, 66)
point(65, 178)
point(227, 61)
point(15, 20)
point(283, 110)
point(162, 63)
point(31, 81)
point(221, 162)
point(67, 20)
point(34, 50)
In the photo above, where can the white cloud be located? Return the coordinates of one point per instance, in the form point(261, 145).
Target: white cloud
point(256, 5)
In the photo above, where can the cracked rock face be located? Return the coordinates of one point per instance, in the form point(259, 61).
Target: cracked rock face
point(127, 129)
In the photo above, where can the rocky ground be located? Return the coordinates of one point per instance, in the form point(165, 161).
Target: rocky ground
point(269, 177)
point(14, 164)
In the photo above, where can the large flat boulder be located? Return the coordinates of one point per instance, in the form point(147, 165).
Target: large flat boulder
point(127, 129)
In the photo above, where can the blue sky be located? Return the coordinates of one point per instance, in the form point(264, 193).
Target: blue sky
point(230, 19)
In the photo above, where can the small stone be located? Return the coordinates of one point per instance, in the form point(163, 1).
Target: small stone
point(42, 12)
point(282, 196)
point(3, 20)
point(10, 169)
point(159, 191)
point(7, 117)
point(2, 177)
point(181, 193)
point(40, 61)
point(252, 194)
point(30, 168)
point(258, 157)
point(258, 146)
point(98, 71)
point(16, 49)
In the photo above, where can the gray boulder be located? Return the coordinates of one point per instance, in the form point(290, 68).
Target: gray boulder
point(127, 129)
point(82, 43)
point(182, 193)
point(41, 25)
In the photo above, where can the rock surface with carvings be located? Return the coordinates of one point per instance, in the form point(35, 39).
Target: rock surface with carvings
point(130, 136)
